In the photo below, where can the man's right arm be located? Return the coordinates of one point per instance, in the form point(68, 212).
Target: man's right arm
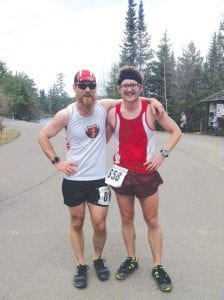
point(50, 130)
point(58, 123)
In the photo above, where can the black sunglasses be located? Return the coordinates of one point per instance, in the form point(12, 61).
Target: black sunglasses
point(83, 86)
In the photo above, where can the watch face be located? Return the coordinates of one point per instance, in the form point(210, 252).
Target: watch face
point(164, 152)
point(56, 159)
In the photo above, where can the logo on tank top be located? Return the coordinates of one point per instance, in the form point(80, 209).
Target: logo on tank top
point(92, 131)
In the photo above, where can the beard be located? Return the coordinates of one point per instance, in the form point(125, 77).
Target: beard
point(87, 101)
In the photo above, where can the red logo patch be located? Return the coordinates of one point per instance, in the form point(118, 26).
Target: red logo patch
point(92, 131)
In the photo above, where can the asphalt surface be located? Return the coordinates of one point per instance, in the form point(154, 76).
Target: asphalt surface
point(36, 260)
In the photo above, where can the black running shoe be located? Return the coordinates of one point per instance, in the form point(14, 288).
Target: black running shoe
point(162, 278)
point(102, 271)
point(80, 278)
point(127, 267)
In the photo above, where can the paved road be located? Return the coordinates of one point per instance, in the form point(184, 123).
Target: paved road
point(36, 260)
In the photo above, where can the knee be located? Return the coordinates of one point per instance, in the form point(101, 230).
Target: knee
point(153, 223)
point(77, 224)
point(99, 227)
point(127, 218)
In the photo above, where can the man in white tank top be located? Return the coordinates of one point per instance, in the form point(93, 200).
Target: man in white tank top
point(84, 168)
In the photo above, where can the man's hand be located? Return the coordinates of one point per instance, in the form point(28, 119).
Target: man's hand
point(67, 167)
point(67, 144)
point(153, 164)
point(157, 106)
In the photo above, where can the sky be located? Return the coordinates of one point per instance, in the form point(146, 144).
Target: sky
point(45, 37)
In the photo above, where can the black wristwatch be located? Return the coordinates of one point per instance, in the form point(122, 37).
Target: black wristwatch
point(55, 160)
point(164, 152)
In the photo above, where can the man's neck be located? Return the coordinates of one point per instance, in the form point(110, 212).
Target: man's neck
point(131, 110)
point(85, 111)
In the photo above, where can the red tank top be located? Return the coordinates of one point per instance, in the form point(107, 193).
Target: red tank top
point(134, 141)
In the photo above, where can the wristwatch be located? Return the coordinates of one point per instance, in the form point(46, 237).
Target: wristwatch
point(164, 152)
point(55, 160)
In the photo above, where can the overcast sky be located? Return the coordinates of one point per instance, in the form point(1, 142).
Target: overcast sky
point(44, 37)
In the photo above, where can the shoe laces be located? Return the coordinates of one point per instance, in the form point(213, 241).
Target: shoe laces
point(126, 263)
point(99, 263)
point(163, 276)
point(81, 270)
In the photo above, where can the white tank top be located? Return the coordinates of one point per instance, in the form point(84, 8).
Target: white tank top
point(87, 138)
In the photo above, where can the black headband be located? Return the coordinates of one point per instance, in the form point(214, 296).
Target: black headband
point(129, 75)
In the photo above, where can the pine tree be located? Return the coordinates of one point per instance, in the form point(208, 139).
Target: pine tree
point(144, 53)
point(111, 87)
point(129, 48)
point(163, 76)
point(190, 83)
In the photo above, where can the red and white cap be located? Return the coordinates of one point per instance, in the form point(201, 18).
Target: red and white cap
point(85, 75)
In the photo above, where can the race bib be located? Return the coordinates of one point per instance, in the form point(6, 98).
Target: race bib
point(104, 195)
point(115, 176)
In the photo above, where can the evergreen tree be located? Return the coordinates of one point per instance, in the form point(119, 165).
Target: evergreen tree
point(57, 96)
point(211, 66)
point(111, 88)
point(4, 108)
point(22, 96)
point(163, 76)
point(129, 48)
point(190, 84)
point(144, 53)
point(214, 64)
point(44, 105)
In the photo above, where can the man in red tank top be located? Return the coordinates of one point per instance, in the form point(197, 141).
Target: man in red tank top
point(134, 173)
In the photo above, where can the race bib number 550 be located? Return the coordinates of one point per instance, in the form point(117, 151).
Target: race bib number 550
point(115, 176)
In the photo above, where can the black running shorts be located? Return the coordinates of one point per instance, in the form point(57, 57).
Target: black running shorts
point(93, 191)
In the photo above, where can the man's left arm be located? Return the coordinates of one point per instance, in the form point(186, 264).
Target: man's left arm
point(174, 135)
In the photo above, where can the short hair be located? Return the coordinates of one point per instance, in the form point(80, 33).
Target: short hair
point(129, 72)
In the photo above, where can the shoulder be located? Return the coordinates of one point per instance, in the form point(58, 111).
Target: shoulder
point(62, 116)
point(109, 103)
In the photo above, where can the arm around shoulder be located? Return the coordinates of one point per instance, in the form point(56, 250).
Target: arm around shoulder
point(110, 103)
point(157, 106)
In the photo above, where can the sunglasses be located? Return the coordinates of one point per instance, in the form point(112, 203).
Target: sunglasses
point(83, 86)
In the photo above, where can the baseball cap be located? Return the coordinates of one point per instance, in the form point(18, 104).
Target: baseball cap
point(84, 75)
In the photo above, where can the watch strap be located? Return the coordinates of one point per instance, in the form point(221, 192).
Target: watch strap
point(56, 159)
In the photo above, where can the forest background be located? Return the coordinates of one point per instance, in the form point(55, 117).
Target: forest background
point(178, 82)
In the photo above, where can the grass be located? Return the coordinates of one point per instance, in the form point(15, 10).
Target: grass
point(8, 135)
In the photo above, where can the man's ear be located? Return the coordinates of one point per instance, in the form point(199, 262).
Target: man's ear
point(141, 88)
point(74, 87)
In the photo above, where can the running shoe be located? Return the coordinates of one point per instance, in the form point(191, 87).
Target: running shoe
point(127, 267)
point(101, 269)
point(80, 278)
point(162, 278)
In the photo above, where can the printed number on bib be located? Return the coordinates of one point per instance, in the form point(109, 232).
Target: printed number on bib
point(116, 175)
point(104, 195)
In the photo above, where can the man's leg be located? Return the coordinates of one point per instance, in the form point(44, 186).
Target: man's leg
point(77, 215)
point(150, 206)
point(98, 218)
point(126, 206)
